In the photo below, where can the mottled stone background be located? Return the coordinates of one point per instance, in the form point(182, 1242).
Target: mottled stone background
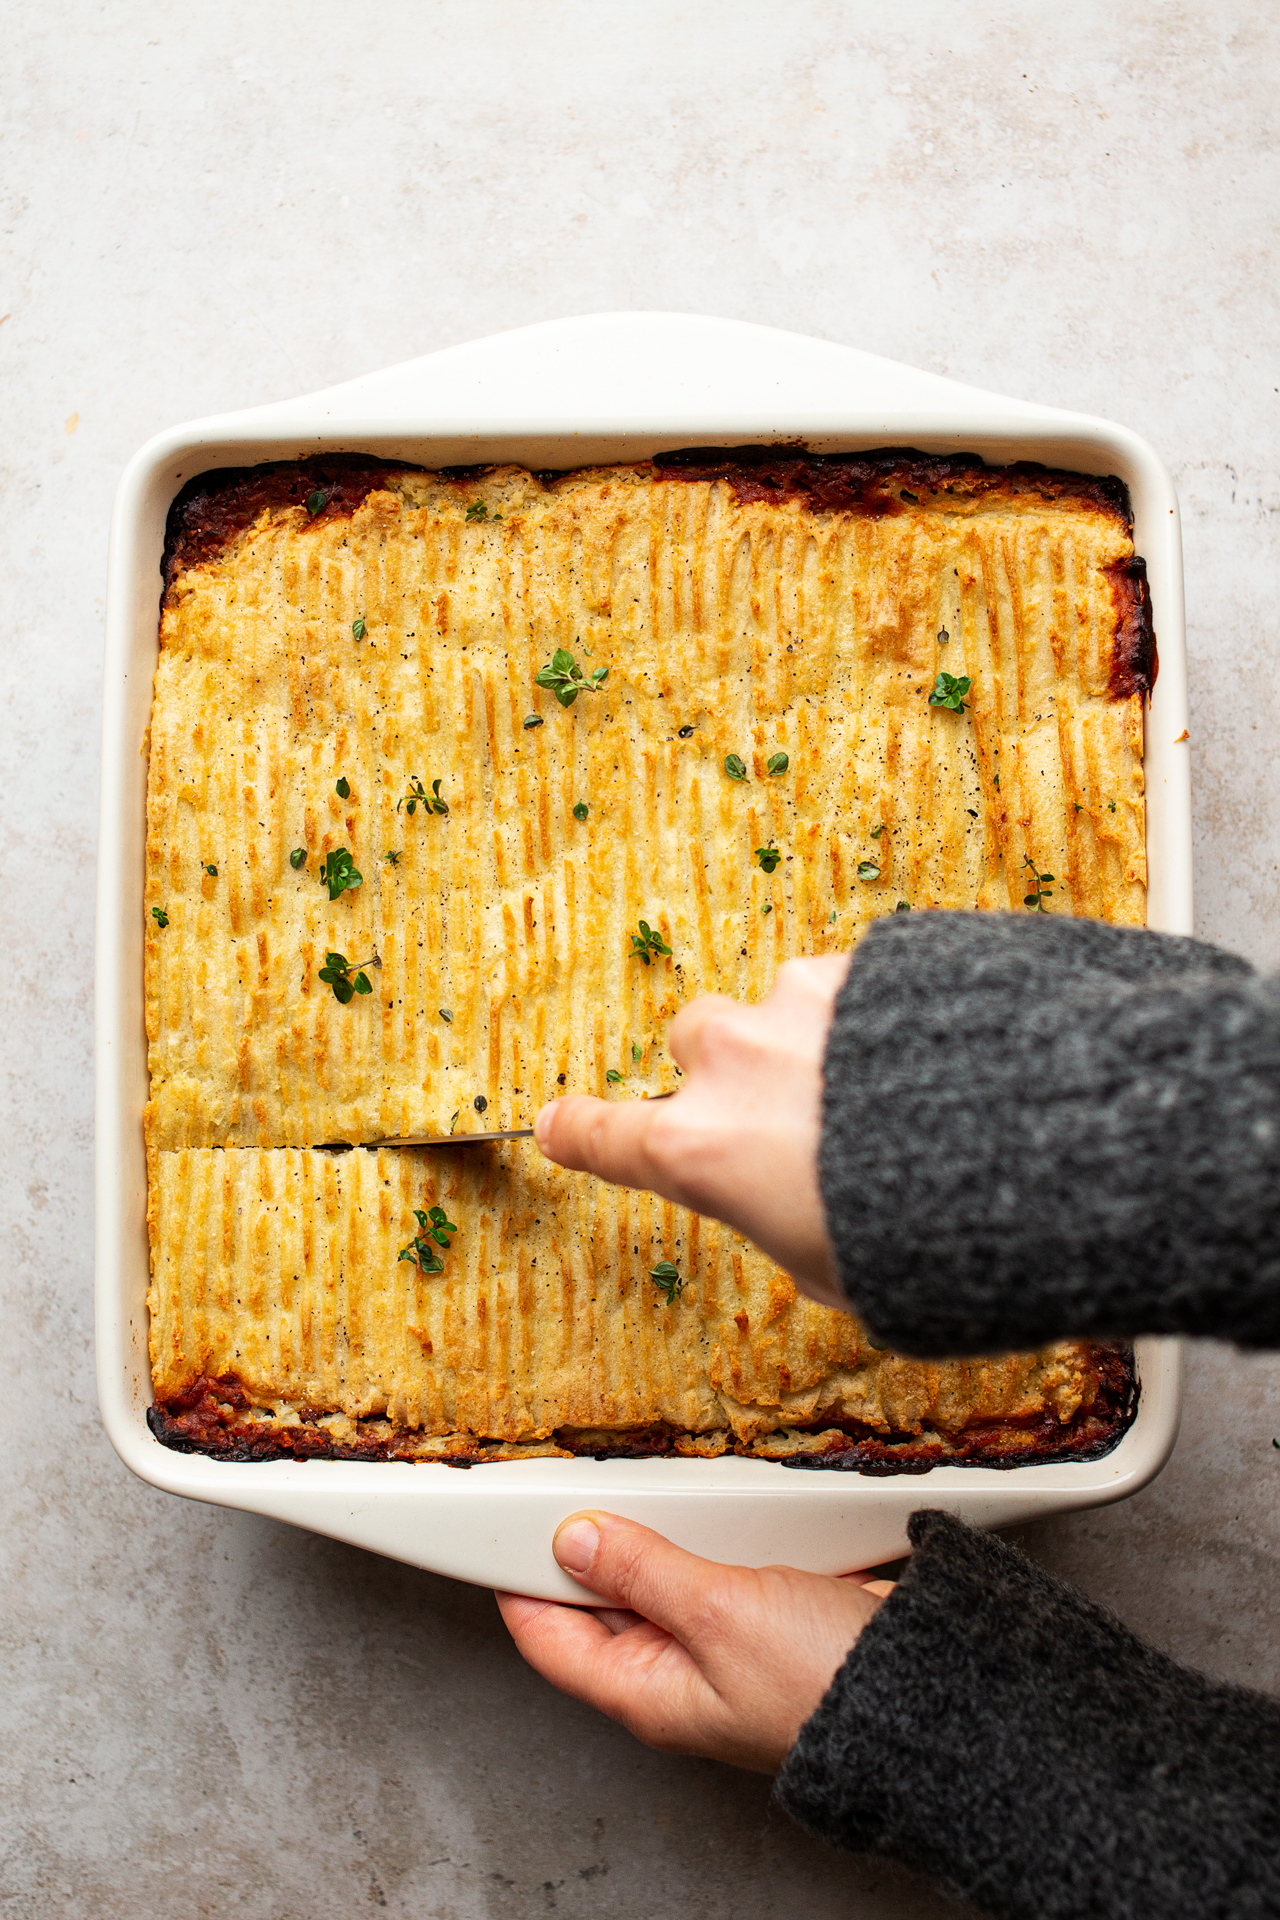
point(201, 208)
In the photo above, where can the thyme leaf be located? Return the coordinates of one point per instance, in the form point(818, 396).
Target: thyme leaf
point(777, 763)
point(580, 811)
point(868, 869)
point(433, 1225)
point(735, 766)
point(949, 690)
point(648, 941)
point(565, 678)
point(417, 796)
point(358, 627)
point(1043, 888)
point(347, 977)
point(768, 857)
point(298, 858)
point(343, 788)
point(339, 873)
point(666, 1278)
point(160, 917)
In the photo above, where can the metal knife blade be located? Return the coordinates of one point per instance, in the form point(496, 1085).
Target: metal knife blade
point(456, 1139)
point(468, 1139)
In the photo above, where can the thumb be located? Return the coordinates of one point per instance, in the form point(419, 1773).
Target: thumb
point(631, 1566)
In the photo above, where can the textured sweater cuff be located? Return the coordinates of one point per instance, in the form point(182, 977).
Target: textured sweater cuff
point(1040, 1128)
point(994, 1728)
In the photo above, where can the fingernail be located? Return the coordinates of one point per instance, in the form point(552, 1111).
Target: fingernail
point(542, 1125)
point(575, 1545)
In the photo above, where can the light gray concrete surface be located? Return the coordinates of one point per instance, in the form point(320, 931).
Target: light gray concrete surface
point(205, 1714)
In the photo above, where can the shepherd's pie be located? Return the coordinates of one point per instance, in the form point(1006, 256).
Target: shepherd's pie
point(460, 785)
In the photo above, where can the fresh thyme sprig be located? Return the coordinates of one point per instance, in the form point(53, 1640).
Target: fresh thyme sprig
point(478, 511)
point(647, 941)
point(161, 918)
point(565, 678)
point(435, 1225)
point(339, 873)
point(347, 977)
point(768, 857)
point(1043, 890)
point(949, 690)
point(666, 1278)
point(417, 796)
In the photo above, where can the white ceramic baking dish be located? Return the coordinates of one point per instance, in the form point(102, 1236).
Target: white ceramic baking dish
point(605, 387)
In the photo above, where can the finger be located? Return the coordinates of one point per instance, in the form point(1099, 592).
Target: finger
point(617, 1619)
point(606, 1137)
point(518, 1610)
point(685, 1032)
point(633, 1567)
point(817, 978)
point(637, 1675)
point(537, 1626)
point(869, 1584)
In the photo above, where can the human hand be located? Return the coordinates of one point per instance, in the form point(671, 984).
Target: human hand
point(691, 1656)
point(739, 1140)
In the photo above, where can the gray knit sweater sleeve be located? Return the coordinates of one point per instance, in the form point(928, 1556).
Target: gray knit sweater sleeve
point(1037, 1127)
point(995, 1728)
